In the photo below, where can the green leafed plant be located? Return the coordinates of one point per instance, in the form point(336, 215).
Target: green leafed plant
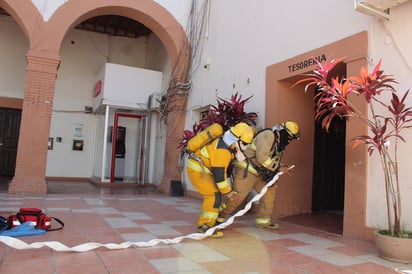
point(331, 100)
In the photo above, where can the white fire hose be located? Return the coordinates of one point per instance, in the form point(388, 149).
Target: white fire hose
point(57, 246)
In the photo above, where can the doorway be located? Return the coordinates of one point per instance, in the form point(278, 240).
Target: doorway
point(284, 100)
point(328, 184)
point(328, 180)
point(9, 137)
point(122, 144)
point(128, 153)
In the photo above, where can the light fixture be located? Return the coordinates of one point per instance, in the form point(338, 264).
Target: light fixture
point(88, 109)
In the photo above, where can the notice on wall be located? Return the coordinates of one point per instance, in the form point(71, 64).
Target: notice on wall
point(78, 130)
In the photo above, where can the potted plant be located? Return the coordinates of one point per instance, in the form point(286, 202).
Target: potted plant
point(386, 121)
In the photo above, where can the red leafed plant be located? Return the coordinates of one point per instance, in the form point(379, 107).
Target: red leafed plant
point(331, 100)
point(227, 113)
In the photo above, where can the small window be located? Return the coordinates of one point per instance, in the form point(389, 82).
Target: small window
point(201, 112)
point(204, 113)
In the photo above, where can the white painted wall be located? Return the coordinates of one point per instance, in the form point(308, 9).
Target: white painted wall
point(14, 62)
point(391, 41)
point(241, 46)
point(127, 86)
point(179, 9)
point(157, 147)
point(83, 55)
point(63, 161)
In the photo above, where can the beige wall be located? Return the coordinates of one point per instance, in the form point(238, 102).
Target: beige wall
point(285, 102)
point(11, 103)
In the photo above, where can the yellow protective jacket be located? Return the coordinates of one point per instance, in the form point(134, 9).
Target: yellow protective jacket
point(214, 158)
point(262, 153)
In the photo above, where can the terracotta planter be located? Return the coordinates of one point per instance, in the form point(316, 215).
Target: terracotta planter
point(394, 249)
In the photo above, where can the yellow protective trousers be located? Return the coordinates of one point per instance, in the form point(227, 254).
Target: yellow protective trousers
point(243, 185)
point(202, 180)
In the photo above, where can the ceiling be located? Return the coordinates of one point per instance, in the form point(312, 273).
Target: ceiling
point(111, 24)
point(115, 25)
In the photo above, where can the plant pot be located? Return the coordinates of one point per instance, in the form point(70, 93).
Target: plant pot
point(394, 249)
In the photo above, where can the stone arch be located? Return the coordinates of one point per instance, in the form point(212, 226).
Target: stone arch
point(147, 12)
point(170, 33)
point(45, 38)
point(25, 14)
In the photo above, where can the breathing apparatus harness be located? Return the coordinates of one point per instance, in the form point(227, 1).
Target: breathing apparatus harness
point(276, 147)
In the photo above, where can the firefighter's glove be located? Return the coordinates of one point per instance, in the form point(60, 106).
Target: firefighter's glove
point(268, 175)
point(222, 206)
point(232, 196)
point(287, 170)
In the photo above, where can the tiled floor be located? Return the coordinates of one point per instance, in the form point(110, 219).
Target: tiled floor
point(116, 216)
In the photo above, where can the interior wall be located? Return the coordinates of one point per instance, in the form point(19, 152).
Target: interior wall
point(83, 55)
point(13, 62)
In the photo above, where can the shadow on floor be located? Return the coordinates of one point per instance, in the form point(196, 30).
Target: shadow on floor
point(58, 187)
point(4, 183)
point(77, 187)
point(326, 221)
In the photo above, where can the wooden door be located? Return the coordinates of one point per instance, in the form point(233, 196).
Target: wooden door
point(9, 136)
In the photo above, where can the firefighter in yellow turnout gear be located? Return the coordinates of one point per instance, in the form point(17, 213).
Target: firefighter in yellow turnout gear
point(207, 170)
point(263, 161)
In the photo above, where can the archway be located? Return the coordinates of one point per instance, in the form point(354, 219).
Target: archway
point(43, 58)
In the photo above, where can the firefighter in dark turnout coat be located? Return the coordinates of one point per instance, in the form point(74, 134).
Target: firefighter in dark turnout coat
point(263, 161)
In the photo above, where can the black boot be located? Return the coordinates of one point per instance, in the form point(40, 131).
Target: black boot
point(203, 228)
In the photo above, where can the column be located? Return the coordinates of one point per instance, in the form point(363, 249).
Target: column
point(32, 150)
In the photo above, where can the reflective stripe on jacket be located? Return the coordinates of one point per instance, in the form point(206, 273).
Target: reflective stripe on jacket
point(214, 158)
point(244, 164)
point(196, 165)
